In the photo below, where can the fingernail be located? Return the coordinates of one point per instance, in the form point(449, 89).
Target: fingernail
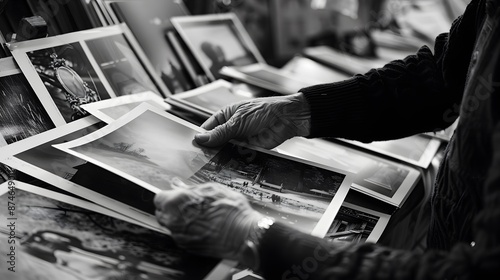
point(202, 138)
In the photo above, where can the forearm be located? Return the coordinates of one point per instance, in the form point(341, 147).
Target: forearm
point(289, 254)
point(403, 98)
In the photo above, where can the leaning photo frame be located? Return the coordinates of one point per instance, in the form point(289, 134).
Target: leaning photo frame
point(86, 66)
point(22, 113)
point(272, 182)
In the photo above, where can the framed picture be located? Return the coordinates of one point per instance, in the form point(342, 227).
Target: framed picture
point(69, 238)
point(237, 57)
point(356, 224)
point(149, 21)
point(207, 99)
point(203, 35)
point(73, 69)
point(383, 179)
point(112, 109)
point(22, 113)
point(36, 157)
point(418, 150)
point(150, 148)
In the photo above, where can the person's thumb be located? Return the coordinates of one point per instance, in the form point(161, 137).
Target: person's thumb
point(217, 136)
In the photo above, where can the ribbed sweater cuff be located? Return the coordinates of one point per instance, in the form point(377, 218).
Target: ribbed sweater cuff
point(282, 250)
point(336, 108)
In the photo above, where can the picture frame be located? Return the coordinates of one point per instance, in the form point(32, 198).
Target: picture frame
point(110, 110)
point(386, 180)
point(306, 208)
point(149, 21)
point(356, 224)
point(23, 115)
point(91, 240)
point(238, 58)
point(203, 34)
point(66, 73)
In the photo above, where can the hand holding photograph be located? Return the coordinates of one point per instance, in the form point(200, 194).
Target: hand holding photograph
point(150, 148)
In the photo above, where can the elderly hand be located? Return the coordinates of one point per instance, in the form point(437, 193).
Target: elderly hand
point(208, 219)
point(262, 122)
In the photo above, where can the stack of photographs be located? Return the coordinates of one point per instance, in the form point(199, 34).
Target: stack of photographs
point(140, 153)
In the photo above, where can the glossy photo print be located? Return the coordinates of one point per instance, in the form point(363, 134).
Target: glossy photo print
point(21, 113)
point(151, 148)
point(69, 78)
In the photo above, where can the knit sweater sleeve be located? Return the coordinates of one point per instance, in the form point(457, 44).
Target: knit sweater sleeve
point(420, 93)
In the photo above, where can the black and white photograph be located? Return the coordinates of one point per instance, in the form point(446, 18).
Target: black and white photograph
point(295, 192)
point(112, 109)
point(145, 147)
point(21, 113)
point(204, 33)
point(417, 149)
point(68, 238)
point(292, 192)
point(386, 180)
point(120, 65)
point(69, 78)
point(149, 21)
point(354, 224)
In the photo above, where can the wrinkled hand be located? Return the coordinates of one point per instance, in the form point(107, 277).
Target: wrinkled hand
point(262, 122)
point(207, 219)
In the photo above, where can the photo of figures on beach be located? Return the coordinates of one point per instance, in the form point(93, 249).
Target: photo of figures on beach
point(69, 242)
point(291, 192)
point(21, 112)
point(352, 226)
point(69, 78)
point(121, 66)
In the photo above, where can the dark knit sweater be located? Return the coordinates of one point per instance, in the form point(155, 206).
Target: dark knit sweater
point(423, 92)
